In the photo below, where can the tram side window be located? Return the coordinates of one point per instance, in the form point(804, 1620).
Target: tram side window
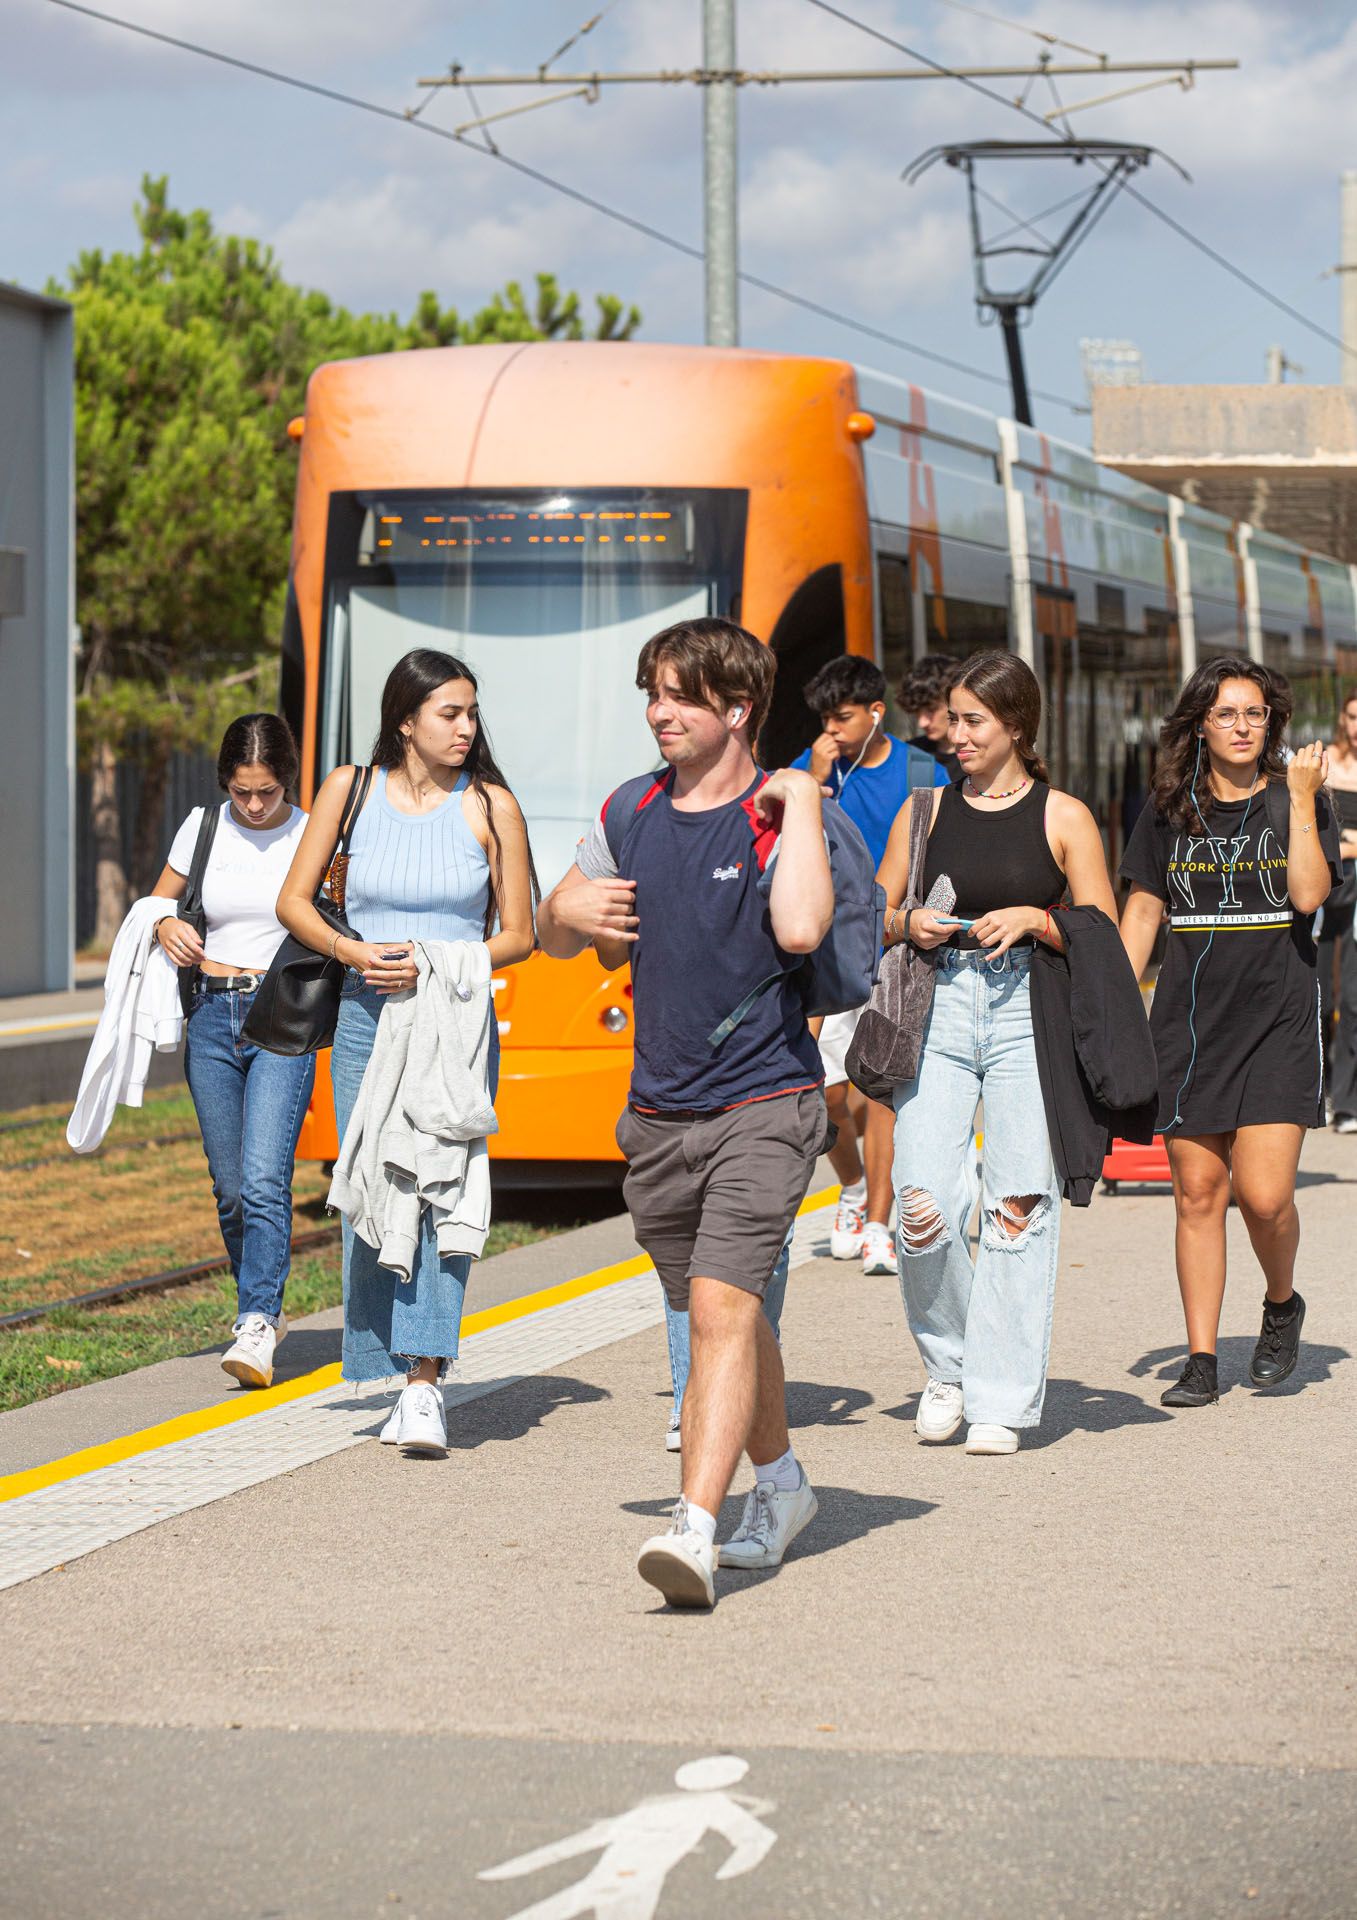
point(897, 635)
point(811, 630)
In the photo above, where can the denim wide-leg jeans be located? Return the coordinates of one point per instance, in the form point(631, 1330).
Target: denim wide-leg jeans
point(985, 1326)
point(389, 1323)
point(250, 1106)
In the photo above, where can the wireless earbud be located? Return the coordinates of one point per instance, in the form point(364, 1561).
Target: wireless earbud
point(735, 715)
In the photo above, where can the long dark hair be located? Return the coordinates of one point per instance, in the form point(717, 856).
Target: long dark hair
point(1178, 768)
point(1009, 688)
point(259, 740)
point(408, 685)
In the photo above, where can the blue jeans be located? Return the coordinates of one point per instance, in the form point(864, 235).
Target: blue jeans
point(250, 1106)
point(389, 1324)
point(985, 1327)
point(676, 1325)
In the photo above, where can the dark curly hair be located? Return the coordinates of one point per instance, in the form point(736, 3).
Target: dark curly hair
point(1178, 770)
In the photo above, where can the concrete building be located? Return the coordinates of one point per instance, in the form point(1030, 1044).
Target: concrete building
point(37, 709)
point(1279, 458)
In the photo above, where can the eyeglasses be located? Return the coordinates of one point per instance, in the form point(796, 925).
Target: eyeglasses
point(1223, 718)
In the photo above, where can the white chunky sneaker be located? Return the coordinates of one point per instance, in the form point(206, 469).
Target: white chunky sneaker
point(390, 1435)
point(770, 1522)
point(983, 1438)
point(681, 1564)
point(845, 1236)
point(423, 1423)
point(940, 1412)
point(878, 1249)
point(250, 1358)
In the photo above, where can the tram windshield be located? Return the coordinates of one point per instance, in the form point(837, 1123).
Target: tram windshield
point(548, 597)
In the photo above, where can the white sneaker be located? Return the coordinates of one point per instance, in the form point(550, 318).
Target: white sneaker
point(673, 1438)
point(941, 1411)
point(878, 1249)
point(390, 1435)
point(845, 1236)
point(680, 1563)
point(1345, 1123)
point(421, 1421)
point(981, 1438)
point(250, 1358)
point(770, 1522)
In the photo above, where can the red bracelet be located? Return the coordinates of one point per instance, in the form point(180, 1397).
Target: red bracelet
point(1046, 930)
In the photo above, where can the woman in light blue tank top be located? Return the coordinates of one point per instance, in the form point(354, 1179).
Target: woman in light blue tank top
point(439, 853)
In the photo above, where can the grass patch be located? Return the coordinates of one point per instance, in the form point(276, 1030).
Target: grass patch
point(80, 1222)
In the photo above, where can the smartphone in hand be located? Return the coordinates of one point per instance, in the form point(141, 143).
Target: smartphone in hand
point(950, 920)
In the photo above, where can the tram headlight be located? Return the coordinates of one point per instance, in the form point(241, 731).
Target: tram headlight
point(614, 1019)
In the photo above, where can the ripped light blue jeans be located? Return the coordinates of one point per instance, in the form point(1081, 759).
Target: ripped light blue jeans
point(985, 1326)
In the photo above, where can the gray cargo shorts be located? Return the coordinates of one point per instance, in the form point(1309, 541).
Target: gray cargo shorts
point(715, 1193)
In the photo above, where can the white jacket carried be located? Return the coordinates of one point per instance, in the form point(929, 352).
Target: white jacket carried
point(141, 1016)
point(416, 1137)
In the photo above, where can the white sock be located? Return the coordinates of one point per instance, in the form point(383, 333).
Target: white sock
point(856, 1195)
point(700, 1521)
point(785, 1472)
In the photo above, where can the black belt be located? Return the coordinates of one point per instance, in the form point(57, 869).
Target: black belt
point(230, 982)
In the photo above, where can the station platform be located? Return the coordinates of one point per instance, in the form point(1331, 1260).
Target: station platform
point(44, 1038)
point(258, 1664)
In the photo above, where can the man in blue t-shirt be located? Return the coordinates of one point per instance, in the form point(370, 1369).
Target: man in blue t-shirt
point(720, 1139)
point(871, 774)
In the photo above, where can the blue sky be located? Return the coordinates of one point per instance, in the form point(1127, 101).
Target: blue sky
point(374, 212)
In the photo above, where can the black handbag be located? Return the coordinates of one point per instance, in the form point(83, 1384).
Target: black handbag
point(190, 909)
point(296, 1005)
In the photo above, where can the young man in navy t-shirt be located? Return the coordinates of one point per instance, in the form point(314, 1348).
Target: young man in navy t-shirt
point(871, 774)
point(720, 1140)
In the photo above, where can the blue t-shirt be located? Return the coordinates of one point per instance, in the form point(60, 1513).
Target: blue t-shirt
point(872, 796)
point(706, 940)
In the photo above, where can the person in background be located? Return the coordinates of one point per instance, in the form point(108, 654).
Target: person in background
point(1337, 948)
point(870, 774)
point(924, 693)
point(439, 853)
point(250, 1104)
point(1242, 846)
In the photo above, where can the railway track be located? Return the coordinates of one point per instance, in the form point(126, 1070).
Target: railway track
point(101, 1153)
point(152, 1283)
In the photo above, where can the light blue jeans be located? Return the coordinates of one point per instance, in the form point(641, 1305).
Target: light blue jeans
point(250, 1106)
point(676, 1324)
point(984, 1326)
point(389, 1324)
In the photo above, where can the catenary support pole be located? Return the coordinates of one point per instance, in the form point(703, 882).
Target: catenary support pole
point(1347, 279)
point(720, 176)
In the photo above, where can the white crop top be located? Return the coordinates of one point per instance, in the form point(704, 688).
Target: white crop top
point(245, 874)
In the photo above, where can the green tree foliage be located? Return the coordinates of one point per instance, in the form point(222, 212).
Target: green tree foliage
point(192, 354)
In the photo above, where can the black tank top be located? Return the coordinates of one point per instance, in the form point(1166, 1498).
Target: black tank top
point(999, 859)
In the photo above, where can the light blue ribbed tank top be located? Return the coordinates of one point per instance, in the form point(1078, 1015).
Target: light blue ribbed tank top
point(415, 877)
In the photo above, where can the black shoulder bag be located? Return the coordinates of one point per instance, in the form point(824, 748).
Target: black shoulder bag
point(296, 1007)
point(190, 909)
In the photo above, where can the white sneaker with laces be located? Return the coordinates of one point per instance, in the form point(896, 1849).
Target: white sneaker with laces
point(878, 1248)
point(673, 1437)
point(845, 1236)
point(423, 1422)
point(770, 1522)
point(250, 1358)
point(680, 1564)
point(984, 1438)
point(940, 1412)
point(390, 1435)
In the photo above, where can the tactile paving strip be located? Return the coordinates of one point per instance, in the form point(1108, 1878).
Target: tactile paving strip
point(47, 1528)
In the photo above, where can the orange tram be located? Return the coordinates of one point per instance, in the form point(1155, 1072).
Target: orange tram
point(540, 510)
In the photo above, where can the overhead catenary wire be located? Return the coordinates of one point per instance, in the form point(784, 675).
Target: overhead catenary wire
point(551, 183)
point(1185, 233)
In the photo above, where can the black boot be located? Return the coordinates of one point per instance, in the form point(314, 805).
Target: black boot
point(1278, 1347)
point(1197, 1387)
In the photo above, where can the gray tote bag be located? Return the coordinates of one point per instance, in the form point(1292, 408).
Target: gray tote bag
point(888, 1040)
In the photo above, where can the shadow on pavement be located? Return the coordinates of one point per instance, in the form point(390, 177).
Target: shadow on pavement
point(1316, 1364)
point(809, 1404)
point(1304, 1179)
point(1071, 1407)
point(306, 1349)
point(500, 1412)
point(845, 1515)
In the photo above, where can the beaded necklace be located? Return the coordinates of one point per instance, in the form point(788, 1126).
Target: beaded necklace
point(1007, 794)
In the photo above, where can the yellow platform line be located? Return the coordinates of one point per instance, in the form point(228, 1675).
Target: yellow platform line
point(185, 1426)
point(15, 1030)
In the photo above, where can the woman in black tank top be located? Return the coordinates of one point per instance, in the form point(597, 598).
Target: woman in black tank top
point(1004, 849)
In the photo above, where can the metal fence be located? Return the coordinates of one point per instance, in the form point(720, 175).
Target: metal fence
point(192, 783)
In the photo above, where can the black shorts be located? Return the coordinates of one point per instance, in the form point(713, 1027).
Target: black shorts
point(715, 1194)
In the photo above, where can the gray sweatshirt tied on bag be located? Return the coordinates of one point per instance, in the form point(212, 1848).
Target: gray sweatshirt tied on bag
point(417, 1134)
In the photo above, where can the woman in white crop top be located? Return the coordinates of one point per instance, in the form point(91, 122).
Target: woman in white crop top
point(250, 1104)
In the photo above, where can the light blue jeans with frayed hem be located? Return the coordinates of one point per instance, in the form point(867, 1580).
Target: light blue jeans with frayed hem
point(982, 1325)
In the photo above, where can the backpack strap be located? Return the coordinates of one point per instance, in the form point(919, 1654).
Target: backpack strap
point(202, 853)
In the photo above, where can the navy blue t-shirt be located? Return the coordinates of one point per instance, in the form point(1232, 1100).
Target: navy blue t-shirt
point(872, 796)
point(706, 939)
